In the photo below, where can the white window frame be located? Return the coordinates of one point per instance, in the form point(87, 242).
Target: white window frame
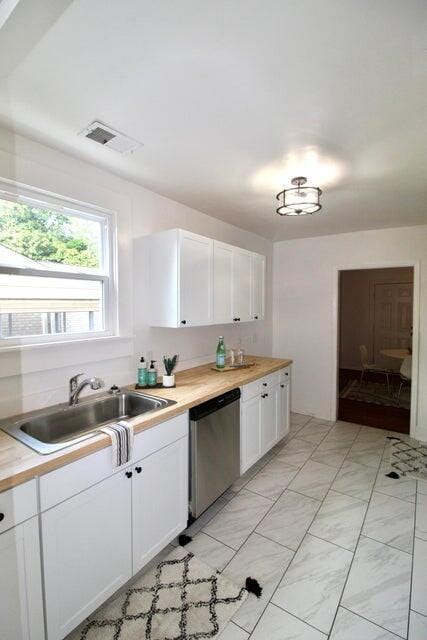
point(17, 192)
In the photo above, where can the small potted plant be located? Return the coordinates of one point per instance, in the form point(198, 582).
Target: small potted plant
point(169, 364)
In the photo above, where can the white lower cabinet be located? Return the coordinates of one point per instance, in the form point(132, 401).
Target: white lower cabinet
point(159, 501)
point(21, 602)
point(86, 552)
point(264, 417)
point(95, 541)
point(250, 432)
point(269, 415)
point(283, 410)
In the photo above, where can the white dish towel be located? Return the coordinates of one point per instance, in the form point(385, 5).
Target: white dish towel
point(121, 435)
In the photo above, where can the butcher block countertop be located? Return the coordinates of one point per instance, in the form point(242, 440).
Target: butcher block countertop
point(19, 463)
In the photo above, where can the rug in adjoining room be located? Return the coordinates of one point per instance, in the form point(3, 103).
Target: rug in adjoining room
point(181, 598)
point(376, 393)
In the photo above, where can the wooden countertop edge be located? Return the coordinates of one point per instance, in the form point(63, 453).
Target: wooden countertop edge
point(37, 464)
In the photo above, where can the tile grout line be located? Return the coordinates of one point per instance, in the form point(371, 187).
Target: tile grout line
point(265, 537)
point(287, 568)
point(321, 501)
point(413, 556)
point(386, 544)
point(354, 555)
point(265, 515)
point(311, 522)
point(289, 614)
point(342, 606)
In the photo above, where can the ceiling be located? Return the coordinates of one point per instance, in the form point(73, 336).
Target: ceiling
point(233, 98)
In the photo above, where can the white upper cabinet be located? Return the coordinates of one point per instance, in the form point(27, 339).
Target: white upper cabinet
point(180, 279)
point(241, 285)
point(223, 283)
point(195, 281)
point(258, 286)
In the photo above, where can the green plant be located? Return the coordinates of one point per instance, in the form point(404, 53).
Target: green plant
point(169, 364)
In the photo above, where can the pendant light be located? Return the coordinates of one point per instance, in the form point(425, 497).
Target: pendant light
point(299, 200)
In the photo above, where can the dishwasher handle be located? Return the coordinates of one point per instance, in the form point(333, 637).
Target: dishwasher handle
point(210, 406)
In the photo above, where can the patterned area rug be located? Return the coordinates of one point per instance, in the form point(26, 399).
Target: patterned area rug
point(179, 599)
point(409, 457)
point(376, 393)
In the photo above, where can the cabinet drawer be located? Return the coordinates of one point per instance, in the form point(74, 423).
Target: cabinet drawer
point(285, 374)
point(18, 504)
point(70, 480)
point(257, 387)
point(152, 440)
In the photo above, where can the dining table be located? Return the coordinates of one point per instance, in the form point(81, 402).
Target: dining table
point(399, 354)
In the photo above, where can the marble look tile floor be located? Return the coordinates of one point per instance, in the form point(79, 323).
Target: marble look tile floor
point(339, 548)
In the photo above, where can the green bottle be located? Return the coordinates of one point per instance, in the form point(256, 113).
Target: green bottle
point(220, 353)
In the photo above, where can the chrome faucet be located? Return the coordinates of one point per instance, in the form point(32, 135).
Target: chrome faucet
point(75, 387)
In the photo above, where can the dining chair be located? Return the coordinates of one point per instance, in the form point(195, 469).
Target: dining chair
point(371, 367)
point(405, 375)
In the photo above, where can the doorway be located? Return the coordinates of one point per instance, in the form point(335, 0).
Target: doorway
point(375, 347)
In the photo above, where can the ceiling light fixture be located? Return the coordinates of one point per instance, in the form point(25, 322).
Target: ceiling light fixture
point(299, 200)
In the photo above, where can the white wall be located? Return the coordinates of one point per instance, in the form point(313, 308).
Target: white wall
point(33, 378)
point(305, 289)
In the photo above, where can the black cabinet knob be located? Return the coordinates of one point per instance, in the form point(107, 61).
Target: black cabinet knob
point(264, 384)
point(283, 386)
point(255, 317)
point(1, 517)
point(286, 373)
point(183, 321)
point(238, 319)
point(138, 469)
point(128, 474)
point(234, 319)
point(266, 395)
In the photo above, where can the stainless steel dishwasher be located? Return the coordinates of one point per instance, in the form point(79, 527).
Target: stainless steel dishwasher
point(214, 449)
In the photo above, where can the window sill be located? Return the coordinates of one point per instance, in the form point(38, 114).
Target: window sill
point(17, 360)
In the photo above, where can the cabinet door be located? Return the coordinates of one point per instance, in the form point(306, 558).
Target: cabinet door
point(269, 404)
point(195, 279)
point(86, 552)
point(223, 280)
point(284, 410)
point(159, 501)
point(258, 286)
point(241, 285)
point(21, 604)
point(250, 432)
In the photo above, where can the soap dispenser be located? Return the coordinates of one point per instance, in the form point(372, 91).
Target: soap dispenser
point(142, 373)
point(152, 375)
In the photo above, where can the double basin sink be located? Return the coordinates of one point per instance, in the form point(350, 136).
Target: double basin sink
point(56, 428)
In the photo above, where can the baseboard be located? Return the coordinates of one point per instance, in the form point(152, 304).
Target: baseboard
point(420, 433)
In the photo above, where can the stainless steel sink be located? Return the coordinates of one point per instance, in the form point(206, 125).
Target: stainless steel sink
point(52, 429)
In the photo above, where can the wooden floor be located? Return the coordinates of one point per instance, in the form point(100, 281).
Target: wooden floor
point(372, 415)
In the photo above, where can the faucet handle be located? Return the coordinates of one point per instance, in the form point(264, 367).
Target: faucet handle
point(74, 381)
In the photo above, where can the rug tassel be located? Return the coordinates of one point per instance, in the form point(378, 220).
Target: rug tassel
point(393, 475)
point(253, 586)
point(183, 539)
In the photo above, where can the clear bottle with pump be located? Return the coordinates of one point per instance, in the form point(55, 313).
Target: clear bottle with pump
point(152, 374)
point(142, 373)
point(220, 353)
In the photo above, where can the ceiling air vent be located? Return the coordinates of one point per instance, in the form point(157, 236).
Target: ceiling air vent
point(110, 138)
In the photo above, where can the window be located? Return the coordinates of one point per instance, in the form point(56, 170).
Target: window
point(56, 266)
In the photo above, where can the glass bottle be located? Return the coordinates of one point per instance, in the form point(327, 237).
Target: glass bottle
point(220, 353)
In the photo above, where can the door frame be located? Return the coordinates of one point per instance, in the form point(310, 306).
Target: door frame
point(415, 265)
